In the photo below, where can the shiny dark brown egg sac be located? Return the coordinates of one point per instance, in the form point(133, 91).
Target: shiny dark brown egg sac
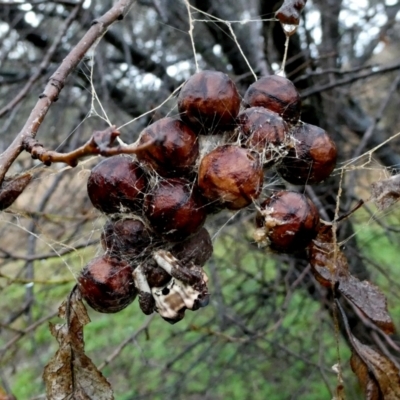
point(209, 102)
point(287, 222)
point(106, 284)
point(231, 176)
point(175, 209)
point(264, 131)
point(173, 147)
point(312, 157)
point(277, 94)
point(126, 238)
point(155, 275)
point(117, 184)
point(197, 249)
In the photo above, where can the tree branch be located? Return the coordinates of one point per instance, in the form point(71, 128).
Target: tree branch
point(45, 62)
point(99, 143)
point(346, 81)
point(57, 82)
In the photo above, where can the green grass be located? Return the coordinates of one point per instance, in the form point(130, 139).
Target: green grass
point(283, 364)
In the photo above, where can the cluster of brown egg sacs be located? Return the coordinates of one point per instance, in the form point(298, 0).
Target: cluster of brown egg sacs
point(211, 158)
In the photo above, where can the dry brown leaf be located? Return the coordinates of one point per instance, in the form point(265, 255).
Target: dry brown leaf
point(330, 267)
point(71, 374)
point(378, 376)
point(385, 193)
point(11, 188)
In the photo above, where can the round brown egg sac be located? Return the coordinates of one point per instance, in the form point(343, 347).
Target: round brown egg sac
point(173, 147)
point(106, 284)
point(197, 249)
point(277, 94)
point(312, 157)
point(287, 222)
point(127, 239)
point(117, 184)
point(265, 132)
point(231, 176)
point(155, 275)
point(175, 209)
point(209, 102)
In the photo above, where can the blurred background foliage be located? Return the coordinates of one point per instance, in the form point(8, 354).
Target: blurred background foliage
point(268, 332)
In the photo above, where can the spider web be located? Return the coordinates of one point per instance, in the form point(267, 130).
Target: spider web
point(241, 326)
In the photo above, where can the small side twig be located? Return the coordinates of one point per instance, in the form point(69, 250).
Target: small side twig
point(99, 144)
point(57, 81)
point(128, 340)
point(45, 62)
point(348, 80)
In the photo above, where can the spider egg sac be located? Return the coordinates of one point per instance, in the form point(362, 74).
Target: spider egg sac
point(263, 131)
point(126, 238)
point(106, 284)
point(173, 147)
point(277, 94)
point(209, 102)
point(231, 176)
point(175, 209)
point(287, 222)
point(312, 157)
point(197, 249)
point(117, 184)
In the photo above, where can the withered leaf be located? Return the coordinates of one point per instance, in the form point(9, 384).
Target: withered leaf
point(378, 376)
point(70, 374)
point(11, 188)
point(385, 193)
point(330, 267)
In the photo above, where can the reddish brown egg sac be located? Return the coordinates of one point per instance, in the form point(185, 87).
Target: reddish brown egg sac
point(197, 249)
point(287, 222)
point(264, 131)
point(175, 209)
point(231, 176)
point(116, 183)
point(174, 150)
point(277, 94)
point(126, 238)
point(209, 102)
point(312, 158)
point(106, 283)
point(155, 275)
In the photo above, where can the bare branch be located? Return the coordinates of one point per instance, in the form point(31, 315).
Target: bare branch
point(342, 82)
point(57, 82)
point(99, 143)
point(44, 64)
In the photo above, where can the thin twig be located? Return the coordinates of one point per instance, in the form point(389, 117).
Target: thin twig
point(128, 340)
point(99, 143)
point(30, 328)
point(351, 79)
point(45, 62)
point(44, 256)
point(57, 82)
point(369, 132)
